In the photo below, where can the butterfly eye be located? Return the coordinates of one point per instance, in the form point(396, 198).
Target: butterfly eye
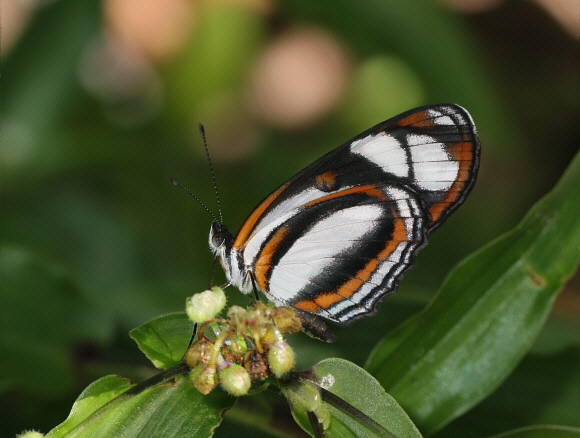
point(218, 234)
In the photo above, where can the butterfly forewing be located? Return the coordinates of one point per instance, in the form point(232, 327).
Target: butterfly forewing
point(441, 143)
point(338, 235)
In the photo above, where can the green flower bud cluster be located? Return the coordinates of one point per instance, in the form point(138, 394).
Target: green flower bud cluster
point(249, 345)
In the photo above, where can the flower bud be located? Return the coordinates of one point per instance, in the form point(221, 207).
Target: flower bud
point(286, 319)
point(203, 306)
point(200, 352)
point(237, 346)
point(203, 378)
point(256, 319)
point(263, 308)
point(269, 335)
point(306, 396)
point(235, 379)
point(323, 416)
point(236, 311)
point(280, 358)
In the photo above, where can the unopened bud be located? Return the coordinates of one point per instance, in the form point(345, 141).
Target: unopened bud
point(200, 352)
point(286, 319)
point(235, 379)
point(236, 311)
point(280, 358)
point(256, 318)
point(203, 306)
point(204, 378)
point(306, 396)
point(237, 346)
point(269, 336)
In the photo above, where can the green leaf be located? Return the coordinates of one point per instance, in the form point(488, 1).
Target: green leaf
point(169, 410)
point(486, 315)
point(542, 432)
point(42, 84)
point(43, 315)
point(358, 388)
point(164, 339)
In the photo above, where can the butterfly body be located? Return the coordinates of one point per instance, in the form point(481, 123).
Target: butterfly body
point(337, 236)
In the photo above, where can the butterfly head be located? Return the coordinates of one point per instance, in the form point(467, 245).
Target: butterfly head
point(219, 237)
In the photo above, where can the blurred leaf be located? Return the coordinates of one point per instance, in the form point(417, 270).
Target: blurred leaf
point(164, 339)
point(485, 316)
point(542, 389)
point(42, 315)
point(40, 83)
point(265, 415)
point(542, 432)
point(169, 410)
point(38, 98)
point(560, 331)
point(216, 60)
point(358, 388)
point(372, 97)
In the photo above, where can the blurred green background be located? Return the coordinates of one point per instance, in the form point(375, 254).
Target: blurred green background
point(101, 106)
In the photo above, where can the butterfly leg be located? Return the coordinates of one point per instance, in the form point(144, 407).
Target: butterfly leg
point(212, 272)
point(256, 296)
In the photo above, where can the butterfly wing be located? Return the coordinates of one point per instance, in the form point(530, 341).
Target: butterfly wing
point(336, 237)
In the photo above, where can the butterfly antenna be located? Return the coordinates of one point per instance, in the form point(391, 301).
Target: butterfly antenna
point(202, 130)
point(178, 184)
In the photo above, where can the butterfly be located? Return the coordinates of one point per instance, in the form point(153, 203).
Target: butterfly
point(336, 237)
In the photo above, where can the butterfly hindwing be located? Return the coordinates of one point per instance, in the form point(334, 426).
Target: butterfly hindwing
point(337, 236)
point(338, 256)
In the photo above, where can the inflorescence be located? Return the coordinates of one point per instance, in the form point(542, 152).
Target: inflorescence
point(248, 345)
